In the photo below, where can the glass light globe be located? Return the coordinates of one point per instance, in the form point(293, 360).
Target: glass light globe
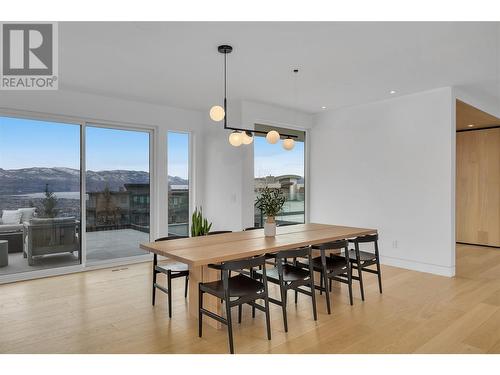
point(288, 144)
point(246, 139)
point(235, 139)
point(273, 136)
point(217, 113)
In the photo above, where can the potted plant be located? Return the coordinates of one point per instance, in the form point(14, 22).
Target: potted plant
point(199, 225)
point(270, 202)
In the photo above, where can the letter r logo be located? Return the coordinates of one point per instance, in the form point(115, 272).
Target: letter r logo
point(27, 49)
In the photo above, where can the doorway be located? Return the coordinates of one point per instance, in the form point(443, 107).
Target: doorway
point(477, 187)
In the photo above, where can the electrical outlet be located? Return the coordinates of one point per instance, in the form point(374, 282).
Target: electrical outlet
point(395, 244)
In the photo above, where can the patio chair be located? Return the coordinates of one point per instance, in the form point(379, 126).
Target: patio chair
point(51, 236)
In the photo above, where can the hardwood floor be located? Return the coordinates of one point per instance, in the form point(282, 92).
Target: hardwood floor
point(109, 311)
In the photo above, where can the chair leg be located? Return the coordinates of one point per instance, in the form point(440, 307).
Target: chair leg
point(240, 309)
point(349, 283)
point(253, 311)
point(361, 288)
point(379, 274)
point(321, 283)
point(283, 306)
point(324, 277)
point(313, 297)
point(268, 318)
point(200, 315)
point(229, 326)
point(154, 279)
point(186, 287)
point(296, 296)
point(330, 284)
point(169, 294)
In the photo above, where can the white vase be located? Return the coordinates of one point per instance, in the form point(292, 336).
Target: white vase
point(270, 227)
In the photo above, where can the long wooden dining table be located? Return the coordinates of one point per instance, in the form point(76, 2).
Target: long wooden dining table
point(199, 252)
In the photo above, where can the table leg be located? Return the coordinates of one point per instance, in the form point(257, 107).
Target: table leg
point(199, 274)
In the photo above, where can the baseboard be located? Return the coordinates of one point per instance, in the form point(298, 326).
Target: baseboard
point(418, 266)
point(59, 271)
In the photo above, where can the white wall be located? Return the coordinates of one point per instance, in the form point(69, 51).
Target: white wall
point(389, 165)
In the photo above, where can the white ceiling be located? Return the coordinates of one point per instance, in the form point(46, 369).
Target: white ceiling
point(177, 63)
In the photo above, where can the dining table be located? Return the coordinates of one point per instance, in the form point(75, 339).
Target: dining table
point(199, 252)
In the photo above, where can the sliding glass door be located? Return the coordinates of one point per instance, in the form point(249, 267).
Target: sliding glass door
point(39, 195)
point(117, 192)
point(47, 177)
point(178, 183)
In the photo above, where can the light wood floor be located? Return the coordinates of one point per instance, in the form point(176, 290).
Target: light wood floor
point(109, 311)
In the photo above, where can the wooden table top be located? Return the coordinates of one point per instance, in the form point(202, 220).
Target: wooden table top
point(199, 251)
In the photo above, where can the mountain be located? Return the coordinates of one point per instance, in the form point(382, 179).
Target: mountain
point(33, 180)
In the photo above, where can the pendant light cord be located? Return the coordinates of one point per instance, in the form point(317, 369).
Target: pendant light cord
point(225, 90)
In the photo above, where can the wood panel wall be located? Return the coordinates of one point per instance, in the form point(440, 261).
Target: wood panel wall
point(478, 187)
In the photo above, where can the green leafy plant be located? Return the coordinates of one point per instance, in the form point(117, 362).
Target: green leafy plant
point(270, 201)
point(199, 225)
point(49, 203)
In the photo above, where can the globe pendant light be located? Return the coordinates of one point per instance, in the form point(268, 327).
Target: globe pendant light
point(235, 139)
point(247, 138)
point(288, 144)
point(217, 113)
point(273, 137)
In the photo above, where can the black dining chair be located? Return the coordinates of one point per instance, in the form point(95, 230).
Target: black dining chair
point(218, 232)
point(361, 260)
point(251, 228)
point(171, 270)
point(332, 267)
point(290, 276)
point(235, 291)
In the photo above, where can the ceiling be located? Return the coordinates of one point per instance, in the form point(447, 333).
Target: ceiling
point(341, 63)
point(468, 115)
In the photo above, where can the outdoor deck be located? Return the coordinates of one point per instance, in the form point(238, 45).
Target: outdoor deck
point(103, 245)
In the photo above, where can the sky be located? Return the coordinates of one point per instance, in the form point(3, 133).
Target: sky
point(274, 160)
point(32, 143)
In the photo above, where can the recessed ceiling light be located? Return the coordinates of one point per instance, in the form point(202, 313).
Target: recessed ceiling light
point(392, 92)
point(470, 125)
point(323, 107)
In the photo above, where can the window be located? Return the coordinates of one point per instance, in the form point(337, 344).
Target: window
point(117, 184)
point(277, 168)
point(39, 194)
point(178, 183)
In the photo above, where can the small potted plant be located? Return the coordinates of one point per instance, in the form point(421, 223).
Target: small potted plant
point(270, 202)
point(199, 225)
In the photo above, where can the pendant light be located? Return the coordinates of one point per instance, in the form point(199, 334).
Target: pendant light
point(273, 137)
point(235, 139)
point(288, 144)
point(246, 137)
point(239, 136)
point(217, 113)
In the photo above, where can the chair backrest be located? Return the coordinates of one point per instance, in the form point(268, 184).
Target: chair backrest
point(363, 239)
point(172, 237)
point(334, 245)
point(219, 232)
point(234, 265)
point(372, 238)
point(251, 228)
point(303, 252)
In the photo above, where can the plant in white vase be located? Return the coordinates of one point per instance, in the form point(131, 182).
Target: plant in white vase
point(270, 202)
